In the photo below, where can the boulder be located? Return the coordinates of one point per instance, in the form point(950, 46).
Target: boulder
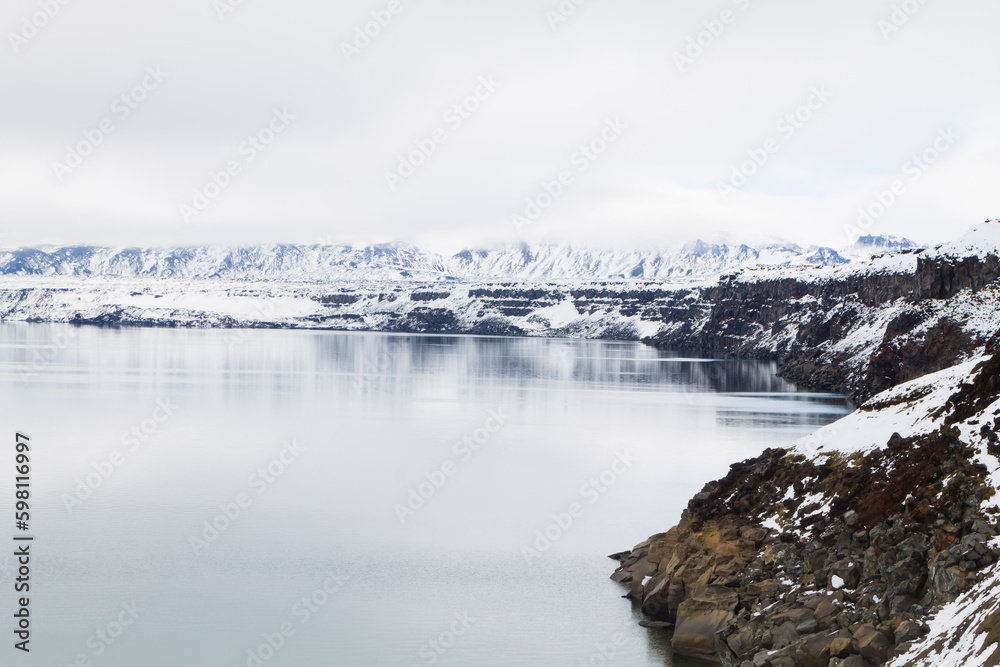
point(697, 625)
point(872, 644)
point(841, 647)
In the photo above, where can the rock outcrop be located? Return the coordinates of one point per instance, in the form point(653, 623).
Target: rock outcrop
point(856, 330)
point(837, 551)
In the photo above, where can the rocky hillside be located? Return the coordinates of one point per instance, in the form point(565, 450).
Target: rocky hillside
point(623, 311)
point(860, 328)
point(838, 550)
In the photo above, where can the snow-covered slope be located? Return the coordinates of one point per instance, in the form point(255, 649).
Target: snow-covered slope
point(963, 633)
point(698, 261)
point(266, 262)
point(980, 241)
point(694, 261)
point(870, 246)
point(838, 549)
point(622, 310)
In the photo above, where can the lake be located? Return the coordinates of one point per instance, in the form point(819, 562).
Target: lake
point(306, 499)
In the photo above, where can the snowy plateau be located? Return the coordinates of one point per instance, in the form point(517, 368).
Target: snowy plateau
point(545, 290)
point(875, 541)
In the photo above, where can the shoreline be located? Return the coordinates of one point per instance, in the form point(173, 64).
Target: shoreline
point(839, 549)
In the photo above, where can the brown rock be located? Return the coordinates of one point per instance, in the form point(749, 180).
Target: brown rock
point(826, 609)
point(872, 644)
point(855, 661)
point(784, 635)
point(814, 651)
point(697, 623)
point(784, 661)
point(840, 647)
point(807, 627)
point(755, 534)
point(741, 643)
point(907, 631)
point(720, 597)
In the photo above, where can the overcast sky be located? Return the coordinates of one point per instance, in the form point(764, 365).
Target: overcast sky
point(673, 98)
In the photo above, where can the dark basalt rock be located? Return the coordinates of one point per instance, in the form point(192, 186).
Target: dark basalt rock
point(849, 579)
point(744, 319)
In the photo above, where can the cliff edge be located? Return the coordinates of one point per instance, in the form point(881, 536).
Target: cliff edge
point(838, 550)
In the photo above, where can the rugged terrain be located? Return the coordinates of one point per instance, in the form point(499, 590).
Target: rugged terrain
point(856, 327)
point(401, 263)
point(859, 328)
point(838, 549)
point(624, 311)
point(873, 541)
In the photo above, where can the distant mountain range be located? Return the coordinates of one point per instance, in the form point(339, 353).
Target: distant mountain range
point(698, 261)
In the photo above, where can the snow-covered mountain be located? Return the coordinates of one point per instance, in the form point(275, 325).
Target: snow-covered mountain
point(698, 261)
point(870, 246)
point(263, 262)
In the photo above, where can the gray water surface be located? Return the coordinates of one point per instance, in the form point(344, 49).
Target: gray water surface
point(406, 523)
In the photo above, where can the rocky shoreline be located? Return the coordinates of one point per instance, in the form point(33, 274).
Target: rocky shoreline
point(838, 550)
point(854, 331)
point(873, 541)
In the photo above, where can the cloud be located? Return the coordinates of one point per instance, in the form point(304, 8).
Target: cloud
point(325, 176)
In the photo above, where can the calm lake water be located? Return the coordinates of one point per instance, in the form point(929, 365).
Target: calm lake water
point(382, 499)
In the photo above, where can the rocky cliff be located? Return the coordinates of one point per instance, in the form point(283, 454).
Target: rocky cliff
point(857, 329)
point(840, 548)
point(873, 541)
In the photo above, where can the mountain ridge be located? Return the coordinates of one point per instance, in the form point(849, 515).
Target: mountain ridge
point(696, 261)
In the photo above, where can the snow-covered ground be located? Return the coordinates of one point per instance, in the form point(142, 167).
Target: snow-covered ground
point(619, 310)
point(962, 633)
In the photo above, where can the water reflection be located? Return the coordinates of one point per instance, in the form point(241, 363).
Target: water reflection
point(379, 416)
